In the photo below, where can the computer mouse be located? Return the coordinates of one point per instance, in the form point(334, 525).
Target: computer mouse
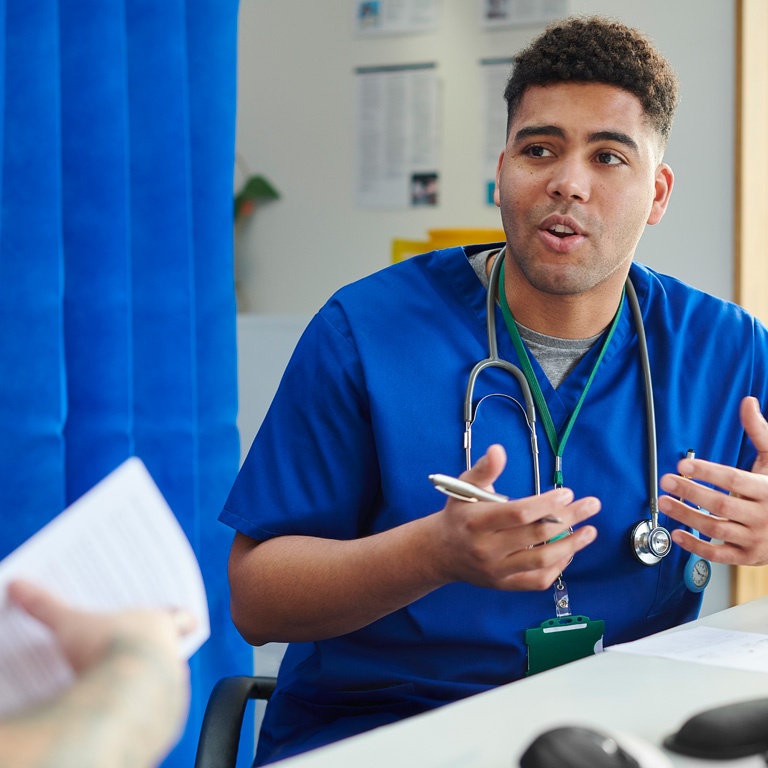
point(579, 746)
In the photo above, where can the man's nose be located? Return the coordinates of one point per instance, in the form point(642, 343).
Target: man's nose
point(569, 181)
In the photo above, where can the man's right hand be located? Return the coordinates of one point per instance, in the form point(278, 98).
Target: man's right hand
point(500, 544)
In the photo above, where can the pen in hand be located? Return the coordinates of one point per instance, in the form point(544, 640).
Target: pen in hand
point(464, 491)
point(690, 454)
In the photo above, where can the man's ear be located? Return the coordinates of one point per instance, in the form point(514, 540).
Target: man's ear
point(496, 196)
point(663, 189)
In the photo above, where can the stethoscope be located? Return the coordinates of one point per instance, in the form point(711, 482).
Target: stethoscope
point(650, 541)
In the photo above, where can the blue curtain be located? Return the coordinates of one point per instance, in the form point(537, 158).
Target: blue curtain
point(117, 308)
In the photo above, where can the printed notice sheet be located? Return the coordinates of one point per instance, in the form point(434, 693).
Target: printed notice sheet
point(119, 546)
point(397, 136)
point(495, 73)
point(705, 645)
point(395, 17)
point(512, 13)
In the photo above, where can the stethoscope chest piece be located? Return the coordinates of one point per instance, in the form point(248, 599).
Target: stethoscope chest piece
point(650, 543)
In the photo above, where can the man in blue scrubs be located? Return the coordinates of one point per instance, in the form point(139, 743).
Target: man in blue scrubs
point(395, 601)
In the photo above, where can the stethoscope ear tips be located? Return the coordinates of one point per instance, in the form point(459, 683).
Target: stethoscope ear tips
point(650, 543)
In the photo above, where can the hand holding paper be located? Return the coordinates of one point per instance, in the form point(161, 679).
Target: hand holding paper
point(119, 547)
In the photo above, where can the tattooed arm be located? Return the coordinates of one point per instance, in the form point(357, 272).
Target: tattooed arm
point(129, 702)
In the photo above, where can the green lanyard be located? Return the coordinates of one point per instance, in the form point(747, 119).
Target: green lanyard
point(557, 446)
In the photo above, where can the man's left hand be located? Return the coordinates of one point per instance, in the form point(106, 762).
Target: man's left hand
point(739, 517)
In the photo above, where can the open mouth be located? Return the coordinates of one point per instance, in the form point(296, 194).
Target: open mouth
point(560, 230)
point(560, 234)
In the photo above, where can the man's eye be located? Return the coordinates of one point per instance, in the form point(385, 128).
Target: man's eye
point(537, 151)
point(608, 158)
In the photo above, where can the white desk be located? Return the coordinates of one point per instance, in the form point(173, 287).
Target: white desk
point(649, 697)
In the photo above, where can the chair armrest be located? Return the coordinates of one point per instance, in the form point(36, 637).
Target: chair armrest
point(223, 719)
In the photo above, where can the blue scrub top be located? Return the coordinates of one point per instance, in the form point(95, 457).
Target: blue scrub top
point(371, 404)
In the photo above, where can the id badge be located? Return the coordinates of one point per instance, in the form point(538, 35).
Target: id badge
point(558, 641)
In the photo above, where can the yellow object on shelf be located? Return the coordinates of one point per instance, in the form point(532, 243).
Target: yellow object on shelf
point(447, 238)
point(404, 249)
point(444, 238)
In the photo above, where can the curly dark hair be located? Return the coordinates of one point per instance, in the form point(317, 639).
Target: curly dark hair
point(597, 50)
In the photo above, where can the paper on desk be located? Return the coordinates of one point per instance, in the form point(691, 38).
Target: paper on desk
point(705, 645)
point(118, 546)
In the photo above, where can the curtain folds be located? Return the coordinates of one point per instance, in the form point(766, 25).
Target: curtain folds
point(117, 307)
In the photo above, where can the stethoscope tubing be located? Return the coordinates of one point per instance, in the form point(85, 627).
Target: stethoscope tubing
point(650, 413)
point(494, 361)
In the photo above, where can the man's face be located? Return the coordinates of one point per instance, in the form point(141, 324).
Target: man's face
point(577, 182)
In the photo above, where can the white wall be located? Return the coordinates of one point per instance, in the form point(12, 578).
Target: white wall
point(296, 126)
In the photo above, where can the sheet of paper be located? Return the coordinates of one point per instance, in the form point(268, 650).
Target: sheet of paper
point(119, 546)
point(395, 17)
point(494, 75)
point(513, 13)
point(398, 132)
point(705, 645)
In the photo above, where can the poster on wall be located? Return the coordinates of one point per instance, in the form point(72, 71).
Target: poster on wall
point(395, 17)
point(398, 136)
point(494, 74)
point(513, 13)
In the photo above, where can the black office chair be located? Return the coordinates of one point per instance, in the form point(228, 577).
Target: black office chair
point(223, 719)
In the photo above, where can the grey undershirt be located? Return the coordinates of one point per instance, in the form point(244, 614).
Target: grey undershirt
point(557, 357)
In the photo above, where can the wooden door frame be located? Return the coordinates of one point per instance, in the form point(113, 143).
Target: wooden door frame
point(751, 204)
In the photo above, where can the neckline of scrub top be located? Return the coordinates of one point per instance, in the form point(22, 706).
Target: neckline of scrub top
point(467, 286)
